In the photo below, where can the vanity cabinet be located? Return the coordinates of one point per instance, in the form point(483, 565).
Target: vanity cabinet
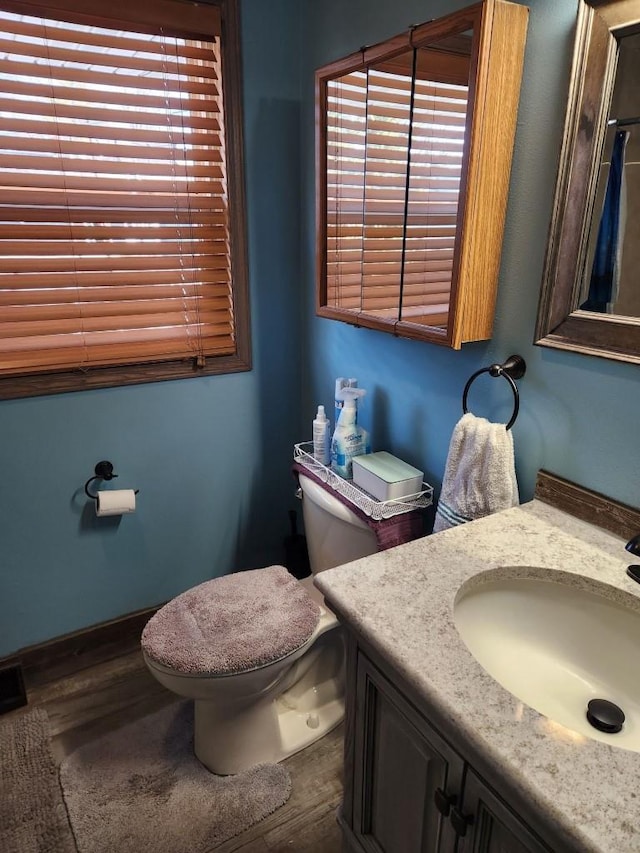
point(407, 790)
point(495, 827)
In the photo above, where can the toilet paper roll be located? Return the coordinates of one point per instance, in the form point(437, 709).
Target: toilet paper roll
point(115, 502)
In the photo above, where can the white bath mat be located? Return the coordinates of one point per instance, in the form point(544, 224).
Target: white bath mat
point(142, 790)
point(32, 815)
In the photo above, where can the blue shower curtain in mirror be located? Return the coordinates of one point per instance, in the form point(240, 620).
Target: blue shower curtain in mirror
point(605, 273)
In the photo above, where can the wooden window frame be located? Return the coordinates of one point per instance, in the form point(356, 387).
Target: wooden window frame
point(54, 382)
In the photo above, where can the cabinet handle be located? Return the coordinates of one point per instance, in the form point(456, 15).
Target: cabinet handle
point(460, 822)
point(444, 801)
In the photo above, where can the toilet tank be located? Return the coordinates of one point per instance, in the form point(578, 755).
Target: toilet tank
point(335, 535)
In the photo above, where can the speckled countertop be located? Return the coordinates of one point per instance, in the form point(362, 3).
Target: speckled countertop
point(401, 602)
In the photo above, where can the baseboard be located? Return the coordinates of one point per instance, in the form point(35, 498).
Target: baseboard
point(587, 505)
point(71, 653)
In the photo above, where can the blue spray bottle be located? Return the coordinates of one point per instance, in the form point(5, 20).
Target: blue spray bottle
point(349, 439)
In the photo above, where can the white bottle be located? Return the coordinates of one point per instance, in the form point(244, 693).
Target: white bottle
point(353, 383)
point(341, 383)
point(321, 437)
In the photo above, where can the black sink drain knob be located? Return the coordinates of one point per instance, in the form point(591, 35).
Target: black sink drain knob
point(605, 716)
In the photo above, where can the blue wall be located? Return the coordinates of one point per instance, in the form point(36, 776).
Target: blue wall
point(211, 456)
point(579, 415)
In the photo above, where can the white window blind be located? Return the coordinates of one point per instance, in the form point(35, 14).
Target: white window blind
point(114, 215)
point(394, 161)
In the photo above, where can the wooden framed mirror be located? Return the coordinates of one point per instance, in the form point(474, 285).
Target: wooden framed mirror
point(590, 298)
point(414, 143)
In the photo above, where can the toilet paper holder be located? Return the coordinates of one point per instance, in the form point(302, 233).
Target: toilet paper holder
point(103, 471)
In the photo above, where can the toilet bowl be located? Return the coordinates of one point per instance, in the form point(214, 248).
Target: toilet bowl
point(258, 652)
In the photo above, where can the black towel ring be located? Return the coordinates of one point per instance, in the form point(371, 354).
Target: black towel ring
point(513, 368)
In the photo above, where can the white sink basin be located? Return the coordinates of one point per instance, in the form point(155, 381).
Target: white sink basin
point(556, 646)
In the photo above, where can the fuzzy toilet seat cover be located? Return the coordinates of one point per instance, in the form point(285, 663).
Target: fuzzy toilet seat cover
point(232, 624)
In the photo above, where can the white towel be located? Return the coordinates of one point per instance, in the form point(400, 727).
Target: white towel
point(480, 476)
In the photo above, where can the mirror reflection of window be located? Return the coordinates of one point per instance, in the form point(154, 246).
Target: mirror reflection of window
point(611, 283)
point(435, 171)
point(395, 140)
point(346, 147)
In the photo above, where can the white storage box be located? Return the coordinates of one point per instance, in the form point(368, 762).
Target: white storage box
point(386, 477)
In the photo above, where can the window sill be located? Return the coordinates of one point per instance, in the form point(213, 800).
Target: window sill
point(41, 384)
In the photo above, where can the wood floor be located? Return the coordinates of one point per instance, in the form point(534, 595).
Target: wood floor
point(110, 694)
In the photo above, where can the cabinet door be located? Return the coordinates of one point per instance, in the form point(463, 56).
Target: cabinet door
point(493, 827)
point(402, 766)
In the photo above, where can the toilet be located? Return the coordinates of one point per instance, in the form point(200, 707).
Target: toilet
point(258, 651)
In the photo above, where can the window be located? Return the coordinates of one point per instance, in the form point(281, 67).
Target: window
point(122, 250)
